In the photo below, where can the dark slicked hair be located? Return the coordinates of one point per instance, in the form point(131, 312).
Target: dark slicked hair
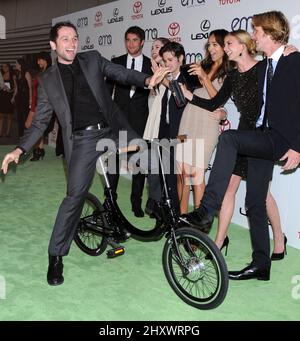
point(175, 48)
point(136, 30)
point(54, 30)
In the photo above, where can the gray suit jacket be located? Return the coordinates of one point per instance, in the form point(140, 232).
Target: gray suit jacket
point(52, 97)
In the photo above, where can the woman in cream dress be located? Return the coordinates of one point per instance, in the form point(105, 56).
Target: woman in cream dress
point(201, 126)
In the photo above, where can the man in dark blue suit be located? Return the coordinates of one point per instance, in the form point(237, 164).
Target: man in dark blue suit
point(277, 137)
point(133, 102)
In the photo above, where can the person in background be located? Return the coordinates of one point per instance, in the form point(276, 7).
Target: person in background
point(44, 62)
point(133, 101)
point(201, 125)
point(6, 98)
point(153, 122)
point(22, 94)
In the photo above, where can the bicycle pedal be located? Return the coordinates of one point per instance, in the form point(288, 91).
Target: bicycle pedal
point(116, 252)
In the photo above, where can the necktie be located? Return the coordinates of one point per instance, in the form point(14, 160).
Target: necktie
point(132, 91)
point(270, 72)
point(132, 64)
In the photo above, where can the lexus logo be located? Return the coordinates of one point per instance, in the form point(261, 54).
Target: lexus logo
point(174, 29)
point(205, 25)
point(162, 3)
point(98, 16)
point(87, 40)
point(116, 12)
point(137, 7)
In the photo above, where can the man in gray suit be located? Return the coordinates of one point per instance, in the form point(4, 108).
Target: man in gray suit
point(75, 89)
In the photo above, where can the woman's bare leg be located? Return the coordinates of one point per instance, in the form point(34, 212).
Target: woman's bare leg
point(227, 209)
point(274, 217)
point(198, 183)
point(183, 187)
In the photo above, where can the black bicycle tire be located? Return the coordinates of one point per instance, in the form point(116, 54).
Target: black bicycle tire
point(91, 198)
point(214, 253)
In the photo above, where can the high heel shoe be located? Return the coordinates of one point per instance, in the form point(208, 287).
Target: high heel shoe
point(280, 255)
point(225, 244)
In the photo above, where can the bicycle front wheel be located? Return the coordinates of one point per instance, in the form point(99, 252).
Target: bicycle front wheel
point(88, 236)
point(195, 268)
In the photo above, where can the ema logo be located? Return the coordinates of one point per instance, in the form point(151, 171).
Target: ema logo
point(2, 27)
point(82, 22)
point(162, 9)
point(116, 17)
point(137, 9)
point(98, 19)
point(192, 3)
point(204, 27)
point(193, 57)
point(151, 34)
point(105, 40)
point(242, 23)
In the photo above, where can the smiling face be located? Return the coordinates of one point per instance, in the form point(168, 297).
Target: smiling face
point(215, 49)
point(134, 44)
point(66, 45)
point(233, 48)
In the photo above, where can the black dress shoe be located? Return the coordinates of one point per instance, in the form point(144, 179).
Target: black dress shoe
point(138, 212)
point(250, 272)
point(201, 219)
point(280, 255)
point(55, 270)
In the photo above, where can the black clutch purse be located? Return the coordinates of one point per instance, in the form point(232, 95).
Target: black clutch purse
point(177, 93)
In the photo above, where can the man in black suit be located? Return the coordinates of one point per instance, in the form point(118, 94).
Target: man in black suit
point(277, 136)
point(133, 101)
point(75, 89)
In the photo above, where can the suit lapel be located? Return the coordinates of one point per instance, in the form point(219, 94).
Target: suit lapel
point(261, 71)
point(57, 91)
point(278, 69)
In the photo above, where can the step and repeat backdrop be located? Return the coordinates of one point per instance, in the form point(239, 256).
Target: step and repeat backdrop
point(189, 22)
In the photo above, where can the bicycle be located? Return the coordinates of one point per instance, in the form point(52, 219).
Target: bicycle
point(193, 265)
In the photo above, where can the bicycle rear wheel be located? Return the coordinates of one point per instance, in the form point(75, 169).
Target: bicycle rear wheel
point(88, 236)
point(195, 269)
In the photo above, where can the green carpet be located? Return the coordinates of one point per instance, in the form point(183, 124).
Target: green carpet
point(132, 287)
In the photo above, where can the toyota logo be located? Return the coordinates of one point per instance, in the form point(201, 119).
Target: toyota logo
point(98, 16)
point(87, 40)
point(161, 3)
point(137, 7)
point(205, 25)
point(116, 12)
point(174, 29)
